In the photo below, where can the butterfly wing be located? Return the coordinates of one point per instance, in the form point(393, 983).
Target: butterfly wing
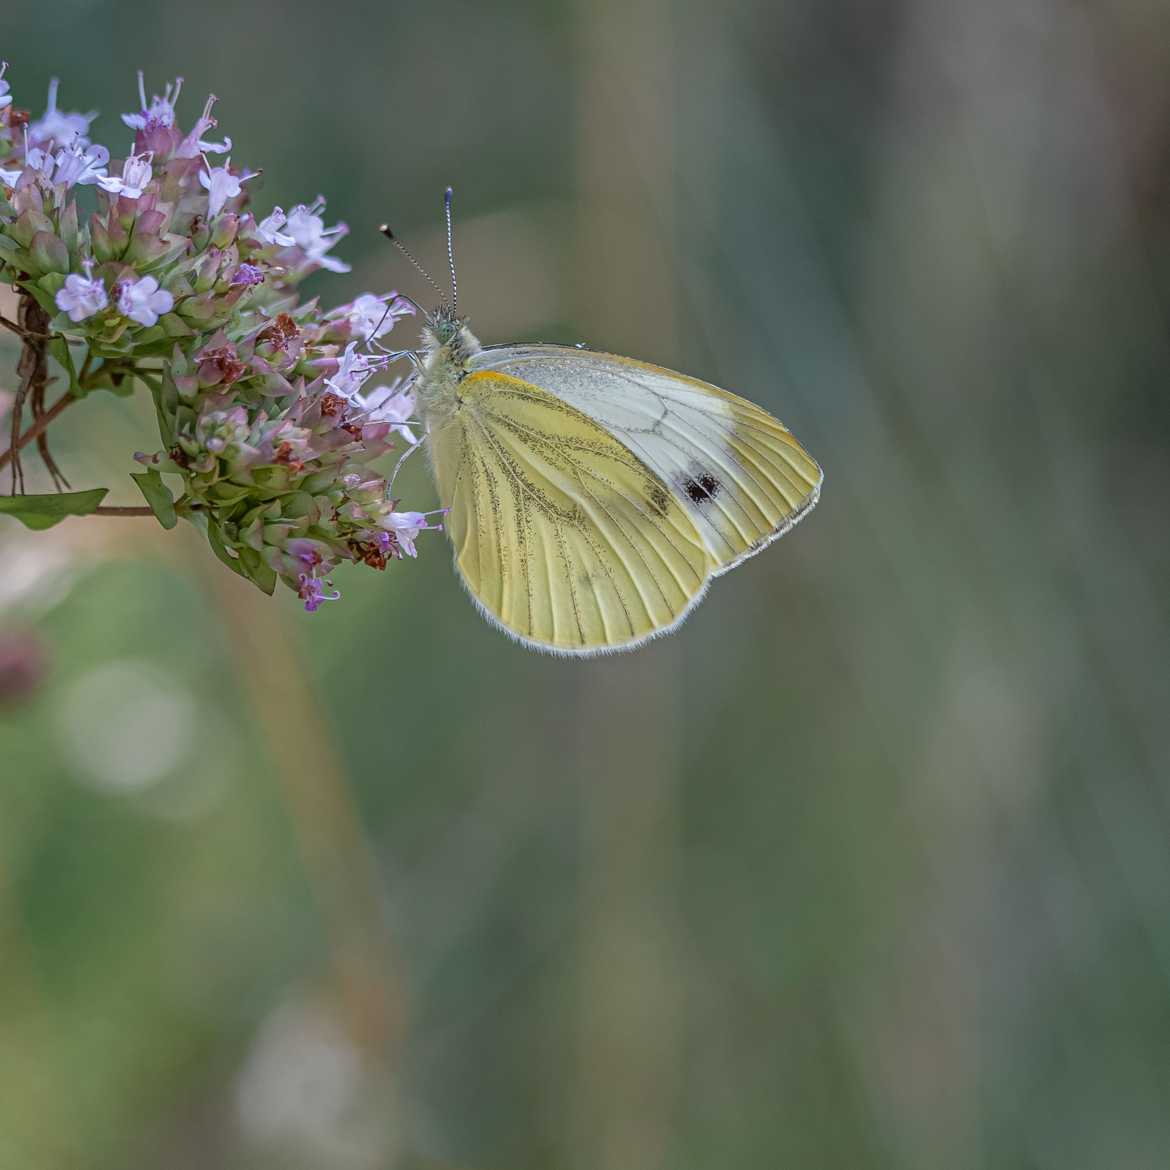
point(562, 535)
point(740, 475)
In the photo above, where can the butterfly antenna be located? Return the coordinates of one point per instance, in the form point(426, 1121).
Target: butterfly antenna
point(451, 250)
point(385, 230)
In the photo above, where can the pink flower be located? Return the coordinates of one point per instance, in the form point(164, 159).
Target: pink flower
point(221, 185)
point(195, 143)
point(407, 525)
point(310, 553)
point(268, 229)
point(389, 404)
point(248, 275)
point(143, 301)
point(312, 592)
point(58, 127)
point(160, 113)
point(72, 164)
point(310, 234)
point(371, 317)
point(82, 296)
point(5, 96)
point(136, 174)
point(353, 369)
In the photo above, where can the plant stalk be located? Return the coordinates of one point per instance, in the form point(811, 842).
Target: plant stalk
point(37, 428)
point(119, 510)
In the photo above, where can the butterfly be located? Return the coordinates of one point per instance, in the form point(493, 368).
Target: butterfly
point(592, 498)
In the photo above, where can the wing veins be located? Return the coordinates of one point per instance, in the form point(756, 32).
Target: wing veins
point(663, 530)
point(531, 490)
point(634, 503)
point(578, 469)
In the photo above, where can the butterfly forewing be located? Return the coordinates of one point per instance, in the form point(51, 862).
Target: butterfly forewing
point(563, 535)
point(738, 473)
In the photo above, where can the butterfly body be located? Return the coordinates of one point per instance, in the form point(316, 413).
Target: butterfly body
point(447, 346)
point(592, 497)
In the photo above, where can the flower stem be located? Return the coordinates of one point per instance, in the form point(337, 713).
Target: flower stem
point(27, 334)
point(37, 428)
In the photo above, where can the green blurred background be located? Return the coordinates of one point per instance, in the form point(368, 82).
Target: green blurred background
point(868, 865)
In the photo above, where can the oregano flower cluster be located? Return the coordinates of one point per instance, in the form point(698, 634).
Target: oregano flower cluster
point(152, 270)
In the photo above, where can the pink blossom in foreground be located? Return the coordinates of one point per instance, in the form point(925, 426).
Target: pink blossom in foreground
point(143, 301)
point(82, 296)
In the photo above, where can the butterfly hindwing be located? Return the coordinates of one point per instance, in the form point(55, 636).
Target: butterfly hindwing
point(563, 535)
point(738, 473)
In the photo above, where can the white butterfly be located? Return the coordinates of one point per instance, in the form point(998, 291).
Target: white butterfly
point(593, 497)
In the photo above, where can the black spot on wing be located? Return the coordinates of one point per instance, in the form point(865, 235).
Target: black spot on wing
point(702, 488)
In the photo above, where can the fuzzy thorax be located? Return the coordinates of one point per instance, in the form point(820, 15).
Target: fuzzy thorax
point(447, 346)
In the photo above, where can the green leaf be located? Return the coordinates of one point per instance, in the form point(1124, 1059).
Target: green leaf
point(43, 297)
point(248, 563)
point(149, 336)
point(44, 511)
point(174, 326)
point(28, 223)
point(113, 375)
point(59, 348)
point(104, 248)
point(297, 505)
point(258, 570)
point(226, 492)
point(52, 283)
point(49, 253)
point(215, 539)
point(67, 227)
point(157, 495)
point(162, 391)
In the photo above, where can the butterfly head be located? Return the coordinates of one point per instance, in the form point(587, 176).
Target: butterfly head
point(443, 325)
point(446, 333)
